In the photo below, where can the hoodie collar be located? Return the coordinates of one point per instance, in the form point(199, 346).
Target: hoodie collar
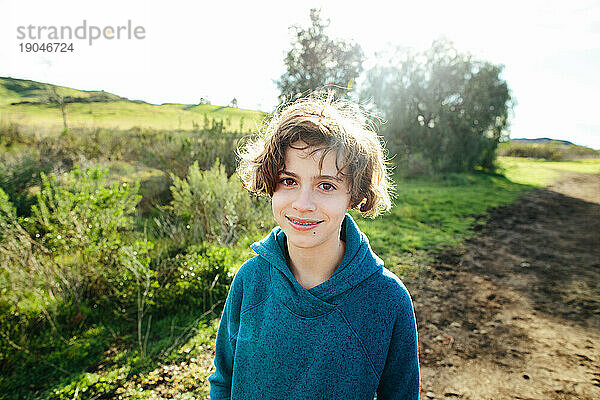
point(359, 263)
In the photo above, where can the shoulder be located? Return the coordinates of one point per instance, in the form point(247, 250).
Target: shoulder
point(253, 270)
point(251, 283)
point(390, 289)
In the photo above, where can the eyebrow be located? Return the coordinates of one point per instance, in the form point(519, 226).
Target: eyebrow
point(335, 178)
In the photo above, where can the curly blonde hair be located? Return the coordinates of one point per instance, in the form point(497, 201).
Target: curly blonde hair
point(323, 124)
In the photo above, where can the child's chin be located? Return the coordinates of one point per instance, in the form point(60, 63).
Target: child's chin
point(302, 242)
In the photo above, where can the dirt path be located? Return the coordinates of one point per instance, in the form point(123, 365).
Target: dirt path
point(517, 314)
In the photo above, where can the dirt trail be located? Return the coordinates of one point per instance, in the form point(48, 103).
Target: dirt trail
point(517, 314)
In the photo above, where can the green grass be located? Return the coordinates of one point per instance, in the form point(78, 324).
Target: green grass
point(116, 113)
point(126, 114)
point(101, 359)
point(540, 172)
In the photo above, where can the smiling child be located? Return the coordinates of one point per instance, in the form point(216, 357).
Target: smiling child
point(316, 315)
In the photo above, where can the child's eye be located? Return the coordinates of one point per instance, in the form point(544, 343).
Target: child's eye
point(326, 186)
point(287, 181)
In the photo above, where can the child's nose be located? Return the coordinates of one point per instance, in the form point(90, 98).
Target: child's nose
point(304, 201)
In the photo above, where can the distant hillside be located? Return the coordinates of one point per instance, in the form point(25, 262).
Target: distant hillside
point(20, 91)
point(541, 140)
point(25, 103)
point(545, 148)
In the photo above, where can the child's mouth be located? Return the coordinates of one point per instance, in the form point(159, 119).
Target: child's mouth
point(303, 224)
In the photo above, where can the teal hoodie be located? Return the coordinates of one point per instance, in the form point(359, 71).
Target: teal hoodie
point(350, 337)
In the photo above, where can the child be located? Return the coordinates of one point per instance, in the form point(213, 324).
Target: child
point(315, 315)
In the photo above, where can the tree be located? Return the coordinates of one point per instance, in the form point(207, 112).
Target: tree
point(316, 60)
point(442, 107)
point(54, 98)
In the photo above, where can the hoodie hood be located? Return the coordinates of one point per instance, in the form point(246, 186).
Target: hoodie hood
point(358, 264)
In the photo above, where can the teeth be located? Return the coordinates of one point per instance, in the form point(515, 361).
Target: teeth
point(303, 223)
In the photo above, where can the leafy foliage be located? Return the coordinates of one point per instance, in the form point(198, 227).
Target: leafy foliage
point(10, 134)
point(82, 221)
point(442, 106)
point(215, 207)
point(316, 60)
point(198, 279)
point(17, 175)
point(74, 256)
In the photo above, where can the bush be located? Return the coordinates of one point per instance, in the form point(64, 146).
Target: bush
point(77, 247)
point(215, 207)
point(7, 215)
point(76, 253)
point(89, 386)
point(197, 280)
point(176, 152)
point(546, 151)
point(18, 175)
point(62, 152)
point(10, 134)
point(19, 263)
point(155, 191)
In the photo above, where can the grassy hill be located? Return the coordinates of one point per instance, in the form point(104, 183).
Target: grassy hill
point(544, 148)
point(25, 91)
point(26, 103)
point(541, 140)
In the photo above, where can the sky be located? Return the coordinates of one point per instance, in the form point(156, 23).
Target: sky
point(187, 50)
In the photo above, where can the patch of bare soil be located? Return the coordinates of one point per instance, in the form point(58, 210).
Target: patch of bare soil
point(517, 313)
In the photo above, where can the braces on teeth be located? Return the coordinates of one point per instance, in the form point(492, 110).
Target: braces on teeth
point(303, 223)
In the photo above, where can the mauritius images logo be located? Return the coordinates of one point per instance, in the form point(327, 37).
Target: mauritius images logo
point(85, 31)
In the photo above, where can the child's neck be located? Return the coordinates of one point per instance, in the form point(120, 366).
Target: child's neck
point(311, 267)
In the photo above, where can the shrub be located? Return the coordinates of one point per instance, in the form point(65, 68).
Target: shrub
point(215, 207)
point(176, 152)
point(18, 175)
point(7, 215)
point(78, 251)
point(10, 134)
point(18, 259)
point(84, 224)
point(62, 152)
point(197, 279)
point(155, 193)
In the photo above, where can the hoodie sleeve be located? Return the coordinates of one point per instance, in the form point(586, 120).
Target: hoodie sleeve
point(220, 380)
point(401, 378)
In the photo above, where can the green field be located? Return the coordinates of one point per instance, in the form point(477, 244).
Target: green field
point(540, 172)
point(126, 114)
point(114, 113)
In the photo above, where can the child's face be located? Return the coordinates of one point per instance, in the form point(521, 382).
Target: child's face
point(310, 204)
